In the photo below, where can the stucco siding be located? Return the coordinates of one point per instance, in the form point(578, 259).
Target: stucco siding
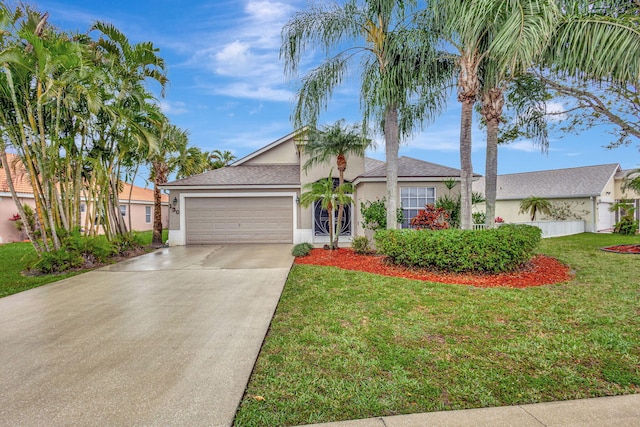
point(8, 231)
point(284, 153)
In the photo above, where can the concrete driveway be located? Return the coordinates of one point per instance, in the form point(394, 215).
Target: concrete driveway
point(168, 338)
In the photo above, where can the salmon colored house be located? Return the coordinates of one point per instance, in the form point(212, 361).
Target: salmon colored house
point(139, 209)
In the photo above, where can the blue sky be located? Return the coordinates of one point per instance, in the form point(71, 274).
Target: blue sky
point(228, 86)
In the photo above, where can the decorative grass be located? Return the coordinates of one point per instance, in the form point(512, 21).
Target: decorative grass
point(350, 345)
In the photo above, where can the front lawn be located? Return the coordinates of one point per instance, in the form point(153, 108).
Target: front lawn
point(15, 258)
point(349, 345)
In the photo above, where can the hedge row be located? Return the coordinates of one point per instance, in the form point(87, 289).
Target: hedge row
point(477, 251)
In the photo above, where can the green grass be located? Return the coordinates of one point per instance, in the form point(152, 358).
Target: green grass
point(349, 345)
point(18, 257)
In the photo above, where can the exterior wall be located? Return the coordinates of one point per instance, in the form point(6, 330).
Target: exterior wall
point(8, 231)
point(284, 153)
point(583, 207)
point(628, 194)
point(137, 212)
point(371, 191)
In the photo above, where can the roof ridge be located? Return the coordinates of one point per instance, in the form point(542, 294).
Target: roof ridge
point(561, 169)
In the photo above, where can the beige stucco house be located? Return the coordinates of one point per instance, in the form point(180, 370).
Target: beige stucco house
point(139, 209)
point(256, 199)
point(587, 191)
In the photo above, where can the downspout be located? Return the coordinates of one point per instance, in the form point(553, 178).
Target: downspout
point(593, 214)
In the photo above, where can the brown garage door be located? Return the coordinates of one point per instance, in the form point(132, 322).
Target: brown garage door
point(239, 220)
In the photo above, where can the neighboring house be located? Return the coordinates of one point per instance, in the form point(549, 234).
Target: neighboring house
point(140, 209)
point(587, 192)
point(256, 199)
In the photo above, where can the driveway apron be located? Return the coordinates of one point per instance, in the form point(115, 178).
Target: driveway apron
point(168, 338)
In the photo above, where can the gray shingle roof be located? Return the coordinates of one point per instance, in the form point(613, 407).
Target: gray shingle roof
point(264, 174)
point(570, 182)
point(410, 167)
point(370, 163)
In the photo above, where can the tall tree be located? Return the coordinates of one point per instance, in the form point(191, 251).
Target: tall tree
point(172, 141)
point(336, 141)
point(502, 36)
point(373, 37)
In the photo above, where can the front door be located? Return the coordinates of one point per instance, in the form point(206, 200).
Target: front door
point(321, 220)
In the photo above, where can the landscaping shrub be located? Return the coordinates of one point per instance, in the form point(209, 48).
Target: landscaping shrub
point(626, 226)
point(431, 218)
point(361, 245)
point(478, 217)
point(127, 244)
point(374, 214)
point(58, 261)
point(477, 251)
point(301, 249)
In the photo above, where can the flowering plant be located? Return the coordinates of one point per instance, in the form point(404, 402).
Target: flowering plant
point(15, 217)
point(499, 220)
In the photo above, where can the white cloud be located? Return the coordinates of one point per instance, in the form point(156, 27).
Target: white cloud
point(250, 90)
point(556, 111)
point(246, 56)
point(526, 145)
point(173, 108)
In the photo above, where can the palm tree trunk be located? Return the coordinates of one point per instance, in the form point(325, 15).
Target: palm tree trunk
point(342, 165)
point(466, 167)
point(159, 179)
point(492, 103)
point(392, 146)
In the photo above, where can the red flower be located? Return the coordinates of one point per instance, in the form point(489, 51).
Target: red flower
point(15, 217)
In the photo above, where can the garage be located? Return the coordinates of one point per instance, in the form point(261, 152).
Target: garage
point(217, 220)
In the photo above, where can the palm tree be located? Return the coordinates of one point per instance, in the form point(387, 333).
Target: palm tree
point(171, 142)
point(532, 205)
point(329, 196)
point(339, 141)
point(374, 37)
point(603, 35)
point(221, 159)
point(502, 37)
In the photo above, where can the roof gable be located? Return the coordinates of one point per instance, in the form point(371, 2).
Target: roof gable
point(583, 181)
point(268, 148)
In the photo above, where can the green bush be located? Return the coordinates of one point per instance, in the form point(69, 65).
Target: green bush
point(126, 244)
point(374, 214)
point(361, 245)
point(626, 226)
point(477, 251)
point(478, 217)
point(301, 249)
point(58, 261)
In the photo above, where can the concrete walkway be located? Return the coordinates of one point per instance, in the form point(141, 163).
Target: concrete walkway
point(169, 338)
point(618, 411)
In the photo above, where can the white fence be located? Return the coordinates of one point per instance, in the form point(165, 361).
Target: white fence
point(551, 228)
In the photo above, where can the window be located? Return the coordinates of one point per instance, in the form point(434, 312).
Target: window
point(414, 199)
point(147, 214)
point(82, 207)
point(123, 210)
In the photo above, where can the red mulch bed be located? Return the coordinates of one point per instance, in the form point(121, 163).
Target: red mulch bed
point(623, 249)
point(541, 270)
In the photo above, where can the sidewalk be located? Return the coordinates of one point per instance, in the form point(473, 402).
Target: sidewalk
point(619, 411)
